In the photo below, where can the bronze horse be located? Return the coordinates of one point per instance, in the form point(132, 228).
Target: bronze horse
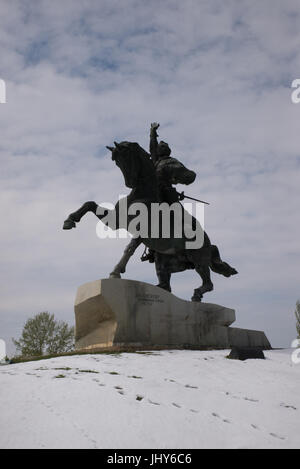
point(171, 254)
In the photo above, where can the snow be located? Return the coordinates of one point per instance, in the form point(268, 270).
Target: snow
point(166, 399)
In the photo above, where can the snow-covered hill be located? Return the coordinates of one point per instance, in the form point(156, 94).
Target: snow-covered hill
point(167, 399)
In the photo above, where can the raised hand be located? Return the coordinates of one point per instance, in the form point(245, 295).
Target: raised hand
point(154, 126)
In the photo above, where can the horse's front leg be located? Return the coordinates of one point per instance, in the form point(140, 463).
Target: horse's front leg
point(75, 217)
point(130, 249)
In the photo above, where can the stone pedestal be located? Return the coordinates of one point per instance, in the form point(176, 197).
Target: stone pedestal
point(119, 312)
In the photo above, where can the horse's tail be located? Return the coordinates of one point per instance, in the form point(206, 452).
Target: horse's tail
point(219, 266)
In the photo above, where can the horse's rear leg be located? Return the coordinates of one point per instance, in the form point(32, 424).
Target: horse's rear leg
point(207, 284)
point(75, 217)
point(130, 249)
point(163, 275)
point(164, 280)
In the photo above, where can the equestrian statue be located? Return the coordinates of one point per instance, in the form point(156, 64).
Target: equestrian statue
point(151, 178)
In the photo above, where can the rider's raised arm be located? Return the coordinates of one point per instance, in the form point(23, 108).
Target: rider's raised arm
point(153, 141)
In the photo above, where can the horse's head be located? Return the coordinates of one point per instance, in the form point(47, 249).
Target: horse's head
point(133, 161)
point(177, 173)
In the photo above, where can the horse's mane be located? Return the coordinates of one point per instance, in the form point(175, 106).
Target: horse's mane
point(134, 147)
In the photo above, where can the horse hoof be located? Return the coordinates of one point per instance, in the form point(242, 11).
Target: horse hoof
point(69, 224)
point(114, 275)
point(197, 298)
point(164, 287)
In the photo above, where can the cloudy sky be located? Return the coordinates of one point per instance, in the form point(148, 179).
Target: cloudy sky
point(217, 76)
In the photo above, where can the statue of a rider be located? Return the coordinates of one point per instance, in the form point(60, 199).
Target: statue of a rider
point(158, 178)
point(163, 162)
point(166, 168)
point(160, 155)
point(166, 178)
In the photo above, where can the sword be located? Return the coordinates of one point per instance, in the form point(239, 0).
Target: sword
point(192, 198)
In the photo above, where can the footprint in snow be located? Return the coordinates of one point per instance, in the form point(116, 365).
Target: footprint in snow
point(62, 417)
point(277, 436)
point(214, 414)
point(245, 398)
point(152, 402)
point(288, 406)
point(271, 434)
point(250, 400)
point(231, 395)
